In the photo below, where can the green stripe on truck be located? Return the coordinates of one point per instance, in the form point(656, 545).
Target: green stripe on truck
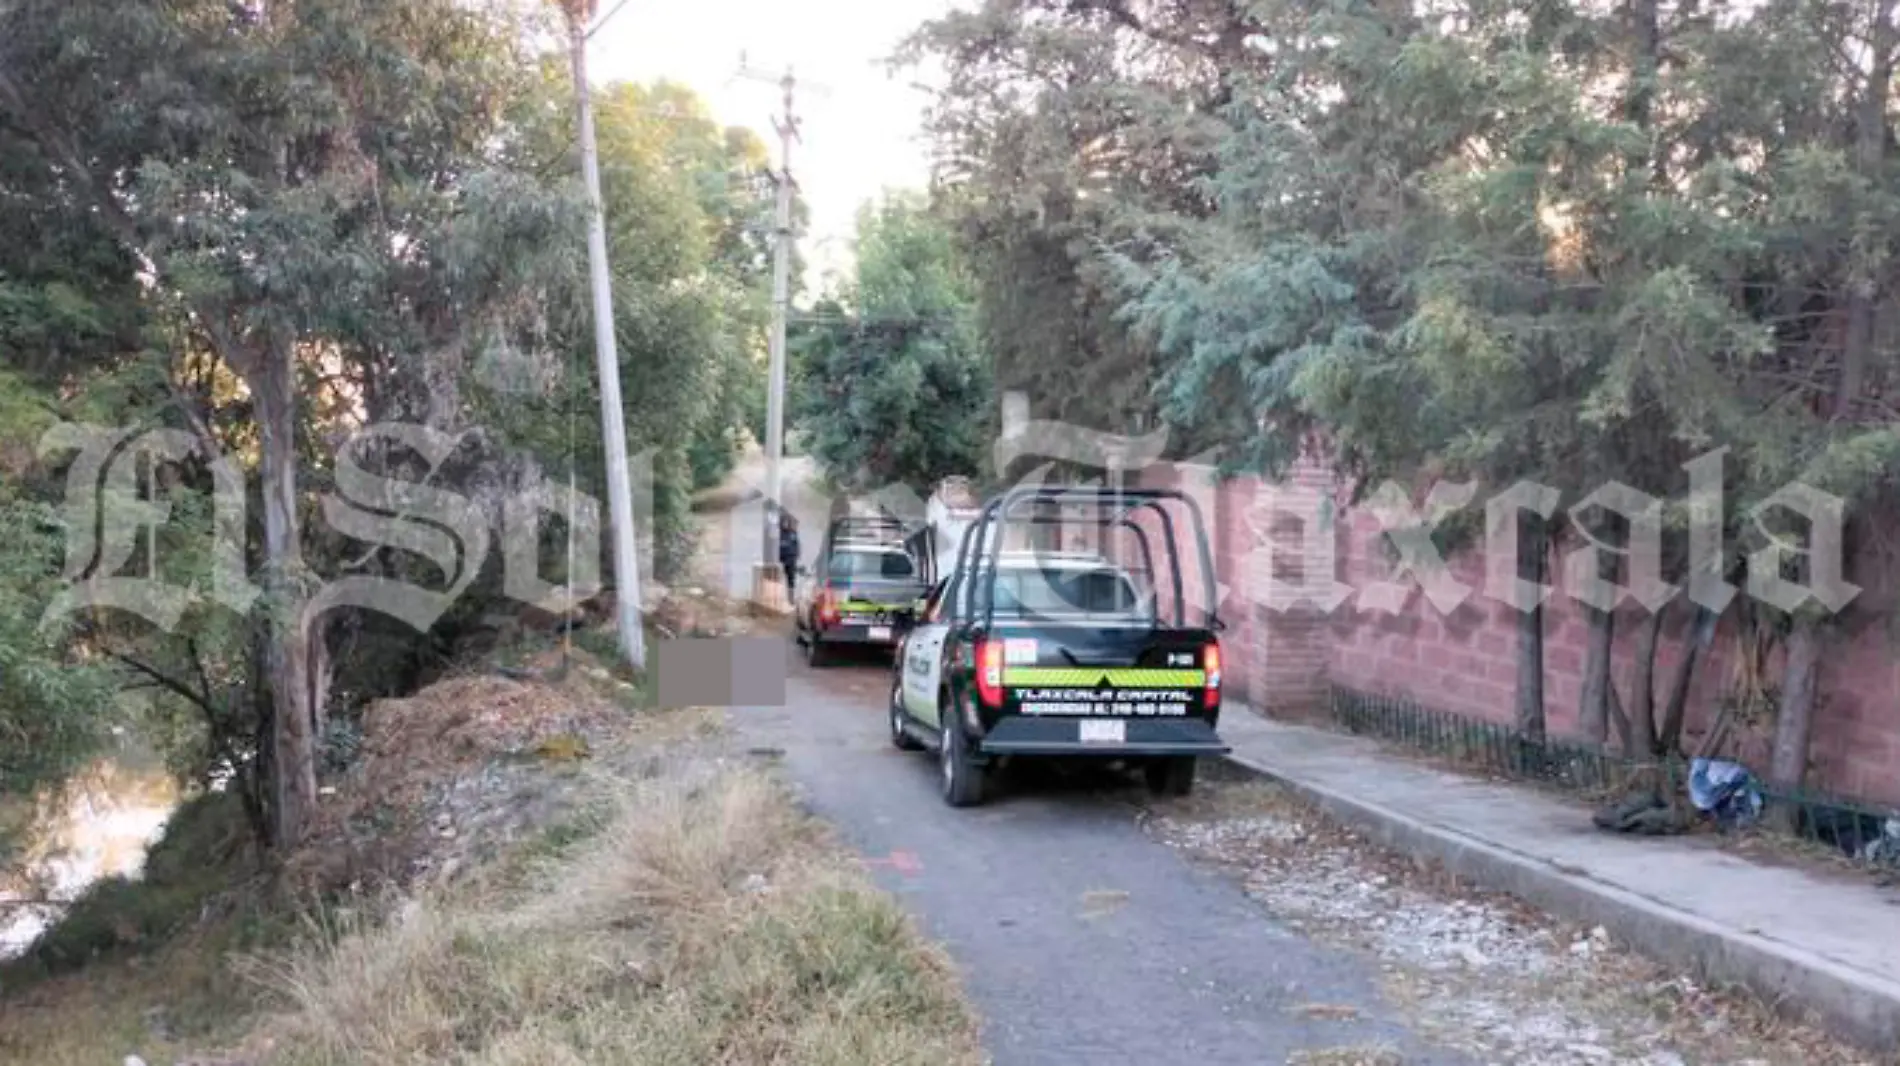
point(1083, 677)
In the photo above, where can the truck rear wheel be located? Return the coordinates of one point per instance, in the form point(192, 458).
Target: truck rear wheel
point(816, 654)
point(1171, 776)
point(900, 737)
point(961, 777)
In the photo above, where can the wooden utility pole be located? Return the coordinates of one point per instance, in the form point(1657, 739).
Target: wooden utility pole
point(787, 127)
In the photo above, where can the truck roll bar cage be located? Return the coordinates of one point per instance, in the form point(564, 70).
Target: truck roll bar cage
point(1124, 503)
point(1141, 541)
point(877, 528)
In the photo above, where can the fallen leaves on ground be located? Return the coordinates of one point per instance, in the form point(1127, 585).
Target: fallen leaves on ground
point(1476, 970)
point(1101, 902)
point(1368, 1055)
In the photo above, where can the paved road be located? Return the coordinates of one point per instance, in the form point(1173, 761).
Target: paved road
point(1028, 892)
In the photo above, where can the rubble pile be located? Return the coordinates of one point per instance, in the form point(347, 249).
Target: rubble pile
point(451, 773)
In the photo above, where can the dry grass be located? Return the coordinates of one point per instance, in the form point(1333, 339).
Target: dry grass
point(180, 995)
point(708, 922)
point(695, 917)
point(659, 904)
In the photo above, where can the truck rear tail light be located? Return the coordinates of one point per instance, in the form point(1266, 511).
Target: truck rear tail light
point(1210, 667)
point(827, 607)
point(989, 672)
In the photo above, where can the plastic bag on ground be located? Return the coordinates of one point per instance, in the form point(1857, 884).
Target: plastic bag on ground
point(1726, 790)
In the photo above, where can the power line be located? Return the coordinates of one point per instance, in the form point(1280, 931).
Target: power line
point(754, 72)
point(601, 22)
point(825, 318)
point(787, 125)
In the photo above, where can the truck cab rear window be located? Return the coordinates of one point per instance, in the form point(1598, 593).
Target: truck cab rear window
point(1088, 592)
point(895, 566)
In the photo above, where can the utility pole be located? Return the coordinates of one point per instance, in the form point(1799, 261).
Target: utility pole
point(786, 126)
point(613, 429)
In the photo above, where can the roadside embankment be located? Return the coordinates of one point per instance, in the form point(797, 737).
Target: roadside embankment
point(531, 868)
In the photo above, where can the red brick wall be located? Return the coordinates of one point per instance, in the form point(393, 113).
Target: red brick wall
point(1223, 513)
point(1295, 643)
point(1466, 663)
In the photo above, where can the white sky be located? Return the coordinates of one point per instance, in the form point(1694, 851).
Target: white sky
point(862, 128)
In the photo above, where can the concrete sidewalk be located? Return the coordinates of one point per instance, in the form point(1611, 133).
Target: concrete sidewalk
point(1803, 941)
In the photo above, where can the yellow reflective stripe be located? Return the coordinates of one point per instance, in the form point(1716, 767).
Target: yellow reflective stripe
point(1084, 677)
point(864, 605)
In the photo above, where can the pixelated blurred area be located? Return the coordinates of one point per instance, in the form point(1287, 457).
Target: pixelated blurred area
point(721, 672)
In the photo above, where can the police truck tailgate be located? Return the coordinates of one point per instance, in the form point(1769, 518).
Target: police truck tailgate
point(1134, 690)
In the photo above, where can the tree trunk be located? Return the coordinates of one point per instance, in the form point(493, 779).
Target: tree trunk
point(1794, 719)
point(258, 774)
point(293, 746)
point(1625, 737)
point(1593, 710)
point(1871, 131)
point(1637, 719)
point(1677, 711)
point(1533, 548)
point(320, 677)
point(1645, 64)
point(1642, 704)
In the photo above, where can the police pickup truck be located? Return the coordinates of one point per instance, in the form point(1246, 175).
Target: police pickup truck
point(863, 593)
point(1038, 654)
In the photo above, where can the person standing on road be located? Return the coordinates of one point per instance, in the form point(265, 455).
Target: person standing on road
point(788, 553)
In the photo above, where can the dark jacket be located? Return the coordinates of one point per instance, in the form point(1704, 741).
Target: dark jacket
point(788, 547)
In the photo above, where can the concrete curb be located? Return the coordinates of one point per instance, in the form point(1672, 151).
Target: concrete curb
point(1857, 1006)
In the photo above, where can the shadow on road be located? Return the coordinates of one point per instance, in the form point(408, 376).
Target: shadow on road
point(844, 657)
point(1066, 782)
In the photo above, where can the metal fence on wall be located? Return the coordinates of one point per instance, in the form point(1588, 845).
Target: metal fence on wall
point(1857, 829)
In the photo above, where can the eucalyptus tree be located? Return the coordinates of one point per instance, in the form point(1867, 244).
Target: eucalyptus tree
point(298, 183)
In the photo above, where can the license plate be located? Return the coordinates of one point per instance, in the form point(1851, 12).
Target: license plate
point(1103, 732)
point(880, 633)
point(1019, 652)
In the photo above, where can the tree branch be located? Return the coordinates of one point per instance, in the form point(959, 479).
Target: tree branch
point(162, 679)
point(1118, 12)
point(198, 663)
point(199, 427)
point(123, 225)
point(67, 154)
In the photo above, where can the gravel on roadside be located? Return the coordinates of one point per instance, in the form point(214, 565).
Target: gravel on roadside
point(1478, 971)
